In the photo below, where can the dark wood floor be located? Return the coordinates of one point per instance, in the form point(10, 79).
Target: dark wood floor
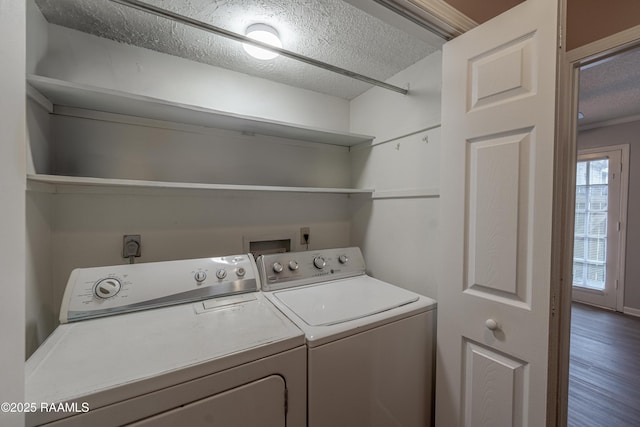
point(604, 375)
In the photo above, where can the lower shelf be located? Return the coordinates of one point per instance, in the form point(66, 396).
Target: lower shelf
point(75, 184)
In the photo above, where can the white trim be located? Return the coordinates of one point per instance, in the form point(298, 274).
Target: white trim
point(446, 13)
point(604, 148)
point(611, 122)
point(606, 46)
point(437, 15)
point(631, 311)
point(622, 242)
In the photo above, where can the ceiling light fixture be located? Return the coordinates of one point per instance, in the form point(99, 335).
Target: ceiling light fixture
point(263, 33)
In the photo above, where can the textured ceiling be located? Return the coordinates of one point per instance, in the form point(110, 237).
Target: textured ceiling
point(610, 89)
point(331, 31)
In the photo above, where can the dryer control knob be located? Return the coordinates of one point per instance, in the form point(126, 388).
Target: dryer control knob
point(107, 288)
point(240, 272)
point(200, 276)
point(319, 262)
point(343, 259)
point(221, 274)
point(277, 267)
point(293, 265)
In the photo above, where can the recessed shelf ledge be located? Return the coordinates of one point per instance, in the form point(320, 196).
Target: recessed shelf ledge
point(70, 94)
point(417, 193)
point(74, 184)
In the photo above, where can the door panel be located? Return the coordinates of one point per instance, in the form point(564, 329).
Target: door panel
point(490, 375)
point(502, 74)
point(498, 182)
point(498, 128)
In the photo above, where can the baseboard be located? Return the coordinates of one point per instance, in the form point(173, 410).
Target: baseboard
point(631, 311)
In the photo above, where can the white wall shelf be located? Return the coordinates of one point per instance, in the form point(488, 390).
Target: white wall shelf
point(418, 193)
point(70, 94)
point(74, 184)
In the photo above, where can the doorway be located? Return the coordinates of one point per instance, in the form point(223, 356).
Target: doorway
point(600, 226)
point(604, 193)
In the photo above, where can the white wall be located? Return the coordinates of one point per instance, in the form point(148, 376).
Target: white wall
point(83, 58)
point(399, 235)
point(88, 228)
point(40, 317)
point(12, 226)
point(37, 36)
point(40, 314)
point(151, 150)
point(627, 133)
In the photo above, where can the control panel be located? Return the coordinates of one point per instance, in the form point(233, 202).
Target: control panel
point(290, 269)
point(103, 291)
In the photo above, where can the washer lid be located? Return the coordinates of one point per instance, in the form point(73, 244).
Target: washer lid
point(343, 300)
point(109, 359)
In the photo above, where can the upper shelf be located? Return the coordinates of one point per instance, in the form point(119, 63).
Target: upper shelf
point(77, 95)
point(75, 184)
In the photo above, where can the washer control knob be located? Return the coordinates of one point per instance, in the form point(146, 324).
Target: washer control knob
point(319, 262)
point(240, 272)
point(200, 276)
point(343, 259)
point(221, 274)
point(277, 267)
point(293, 265)
point(107, 288)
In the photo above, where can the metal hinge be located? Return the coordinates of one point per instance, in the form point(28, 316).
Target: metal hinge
point(560, 36)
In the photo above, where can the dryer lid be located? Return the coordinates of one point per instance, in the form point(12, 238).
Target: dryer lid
point(344, 300)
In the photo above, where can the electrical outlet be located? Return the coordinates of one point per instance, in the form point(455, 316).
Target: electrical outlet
point(131, 245)
point(304, 231)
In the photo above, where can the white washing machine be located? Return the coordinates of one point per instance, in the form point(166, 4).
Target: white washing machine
point(370, 344)
point(187, 343)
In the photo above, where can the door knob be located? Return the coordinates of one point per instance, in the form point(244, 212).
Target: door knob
point(491, 324)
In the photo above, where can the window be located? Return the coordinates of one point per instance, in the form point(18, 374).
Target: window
point(590, 241)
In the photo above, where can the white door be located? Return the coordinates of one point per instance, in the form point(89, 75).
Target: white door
point(498, 131)
point(598, 249)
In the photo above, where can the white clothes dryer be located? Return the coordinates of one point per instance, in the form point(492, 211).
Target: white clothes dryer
point(149, 345)
point(370, 344)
